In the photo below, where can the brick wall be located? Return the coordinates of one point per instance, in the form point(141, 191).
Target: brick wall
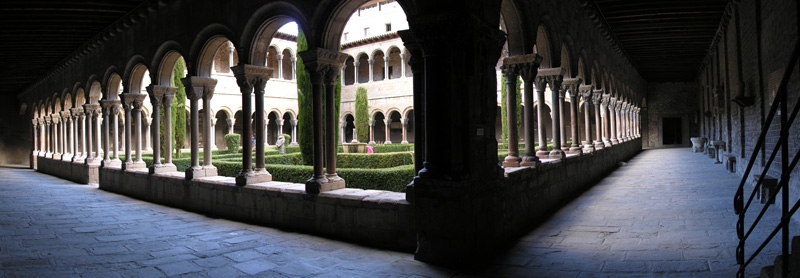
point(668, 100)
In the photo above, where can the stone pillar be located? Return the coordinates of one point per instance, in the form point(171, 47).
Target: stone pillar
point(541, 86)
point(82, 131)
point(606, 120)
point(372, 132)
point(294, 68)
point(402, 65)
point(96, 110)
point(461, 152)
point(572, 85)
point(612, 109)
point(386, 67)
point(47, 138)
point(597, 99)
point(169, 139)
point(417, 64)
point(115, 109)
point(388, 126)
point(355, 72)
point(404, 125)
point(371, 70)
point(159, 96)
point(279, 66)
point(156, 100)
point(561, 112)
point(197, 88)
point(293, 122)
point(127, 105)
point(554, 78)
point(249, 78)
point(106, 110)
point(41, 135)
point(66, 144)
point(510, 72)
point(56, 118)
point(136, 103)
point(585, 91)
point(323, 67)
point(35, 133)
point(279, 125)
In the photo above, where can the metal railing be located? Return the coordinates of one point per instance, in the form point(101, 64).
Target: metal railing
point(740, 207)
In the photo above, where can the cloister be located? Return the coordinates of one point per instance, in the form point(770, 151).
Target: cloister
point(597, 93)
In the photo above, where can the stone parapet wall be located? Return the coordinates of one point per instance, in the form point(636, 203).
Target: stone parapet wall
point(376, 218)
point(68, 170)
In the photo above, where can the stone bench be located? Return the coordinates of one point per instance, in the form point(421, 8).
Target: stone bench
point(768, 185)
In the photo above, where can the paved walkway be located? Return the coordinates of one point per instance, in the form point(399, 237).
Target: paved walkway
point(666, 213)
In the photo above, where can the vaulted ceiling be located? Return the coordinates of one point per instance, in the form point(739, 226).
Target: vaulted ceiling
point(666, 40)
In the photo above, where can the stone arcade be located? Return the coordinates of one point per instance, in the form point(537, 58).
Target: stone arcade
point(462, 205)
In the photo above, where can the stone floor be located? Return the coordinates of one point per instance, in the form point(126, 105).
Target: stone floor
point(666, 213)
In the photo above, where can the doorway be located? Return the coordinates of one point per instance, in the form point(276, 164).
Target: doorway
point(671, 131)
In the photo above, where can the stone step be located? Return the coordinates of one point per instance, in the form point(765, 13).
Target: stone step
point(776, 270)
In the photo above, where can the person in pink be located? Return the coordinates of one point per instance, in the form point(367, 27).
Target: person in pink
point(369, 149)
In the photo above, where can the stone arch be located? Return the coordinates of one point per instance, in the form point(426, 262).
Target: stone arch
point(272, 126)
point(363, 68)
point(262, 26)
point(335, 19)
point(135, 69)
point(378, 64)
point(517, 40)
point(395, 63)
point(57, 104)
point(79, 94)
point(68, 101)
point(543, 48)
point(379, 126)
point(395, 126)
point(286, 64)
point(205, 62)
point(288, 116)
point(349, 71)
point(113, 86)
point(207, 43)
point(408, 115)
point(272, 59)
point(566, 61)
point(94, 90)
point(168, 55)
point(349, 126)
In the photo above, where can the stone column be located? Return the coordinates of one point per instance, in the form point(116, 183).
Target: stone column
point(638, 118)
point(279, 125)
point(82, 124)
point(404, 124)
point(371, 70)
point(127, 106)
point(66, 144)
point(386, 67)
point(74, 132)
point(606, 120)
point(159, 96)
point(47, 140)
point(555, 77)
point(323, 66)
point(279, 66)
point(56, 118)
point(341, 77)
point(541, 86)
point(612, 109)
point(294, 68)
point(342, 131)
point(115, 108)
point(293, 122)
point(372, 132)
point(41, 135)
point(156, 99)
point(197, 88)
point(624, 122)
point(402, 65)
point(572, 86)
point(106, 110)
point(417, 64)
point(585, 91)
point(96, 110)
point(169, 139)
point(597, 98)
point(528, 70)
point(510, 72)
point(249, 78)
point(35, 133)
point(136, 101)
point(388, 126)
point(561, 112)
point(355, 72)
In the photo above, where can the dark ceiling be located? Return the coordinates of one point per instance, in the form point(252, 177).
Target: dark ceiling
point(665, 40)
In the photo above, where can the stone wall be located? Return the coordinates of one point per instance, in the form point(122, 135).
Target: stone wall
point(74, 171)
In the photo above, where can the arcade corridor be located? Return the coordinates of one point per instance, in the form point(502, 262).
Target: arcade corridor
point(666, 212)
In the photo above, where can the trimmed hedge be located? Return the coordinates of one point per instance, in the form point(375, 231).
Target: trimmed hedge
point(390, 148)
point(374, 161)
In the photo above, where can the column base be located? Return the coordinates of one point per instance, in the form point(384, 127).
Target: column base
point(78, 159)
point(294, 144)
point(543, 154)
point(530, 161)
point(404, 142)
point(614, 141)
point(92, 161)
point(67, 157)
point(588, 148)
point(599, 145)
point(511, 161)
point(575, 150)
point(387, 142)
point(371, 142)
point(200, 171)
point(607, 143)
point(134, 165)
point(251, 177)
point(163, 168)
point(556, 153)
point(317, 185)
point(111, 163)
point(57, 156)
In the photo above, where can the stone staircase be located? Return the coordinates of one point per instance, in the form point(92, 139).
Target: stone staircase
point(794, 263)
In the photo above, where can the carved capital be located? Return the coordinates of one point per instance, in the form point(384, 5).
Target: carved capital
point(571, 85)
point(65, 115)
point(35, 122)
point(526, 66)
point(324, 65)
point(133, 100)
point(199, 87)
point(250, 77)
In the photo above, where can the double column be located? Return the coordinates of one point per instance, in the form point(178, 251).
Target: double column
point(552, 77)
point(605, 102)
point(92, 111)
point(252, 78)
point(323, 67)
point(527, 67)
point(161, 98)
point(132, 103)
point(110, 118)
point(571, 85)
point(597, 99)
point(200, 88)
point(585, 92)
point(80, 139)
point(66, 135)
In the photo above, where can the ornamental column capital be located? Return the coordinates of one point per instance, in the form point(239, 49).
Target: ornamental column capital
point(571, 85)
point(35, 122)
point(48, 120)
point(134, 100)
point(585, 92)
point(76, 111)
point(551, 76)
point(526, 66)
point(54, 118)
point(199, 87)
point(324, 65)
point(250, 77)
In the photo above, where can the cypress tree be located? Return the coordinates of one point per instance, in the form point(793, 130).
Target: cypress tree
point(503, 109)
point(179, 107)
point(362, 115)
point(304, 120)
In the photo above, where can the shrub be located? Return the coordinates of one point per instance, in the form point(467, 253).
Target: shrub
point(391, 179)
point(288, 139)
point(362, 115)
point(390, 148)
point(233, 140)
point(374, 161)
